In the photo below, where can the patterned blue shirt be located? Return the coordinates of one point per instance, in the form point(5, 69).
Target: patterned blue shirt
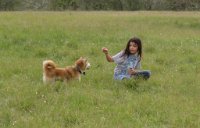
point(125, 62)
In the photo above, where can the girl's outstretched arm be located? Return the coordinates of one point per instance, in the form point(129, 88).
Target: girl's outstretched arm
point(108, 57)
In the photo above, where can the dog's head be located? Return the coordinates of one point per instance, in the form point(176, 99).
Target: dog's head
point(82, 64)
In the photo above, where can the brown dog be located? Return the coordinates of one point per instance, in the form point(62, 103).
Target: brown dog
point(51, 73)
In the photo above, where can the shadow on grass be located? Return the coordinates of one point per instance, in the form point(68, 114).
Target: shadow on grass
point(140, 85)
point(59, 86)
point(131, 84)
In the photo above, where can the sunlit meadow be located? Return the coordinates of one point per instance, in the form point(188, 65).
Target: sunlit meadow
point(171, 50)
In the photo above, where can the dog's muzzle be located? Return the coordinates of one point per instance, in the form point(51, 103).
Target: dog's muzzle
point(88, 66)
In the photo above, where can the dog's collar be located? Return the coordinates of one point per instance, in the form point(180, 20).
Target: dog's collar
point(79, 70)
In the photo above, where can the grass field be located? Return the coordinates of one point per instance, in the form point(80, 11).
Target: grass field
point(169, 99)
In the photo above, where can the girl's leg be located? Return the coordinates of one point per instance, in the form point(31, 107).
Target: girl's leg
point(145, 74)
point(121, 77)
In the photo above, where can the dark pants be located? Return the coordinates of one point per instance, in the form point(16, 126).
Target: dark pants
point(145, 74)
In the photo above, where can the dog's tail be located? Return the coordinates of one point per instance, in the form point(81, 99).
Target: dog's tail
point(48, 65)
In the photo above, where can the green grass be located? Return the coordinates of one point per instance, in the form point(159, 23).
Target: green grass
point(170, 98)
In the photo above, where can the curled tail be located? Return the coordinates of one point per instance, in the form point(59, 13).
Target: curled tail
point(48, 65)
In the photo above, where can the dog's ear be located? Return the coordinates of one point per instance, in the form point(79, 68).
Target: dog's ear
point(80, 63)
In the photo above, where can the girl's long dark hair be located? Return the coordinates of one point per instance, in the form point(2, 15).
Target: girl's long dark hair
point(139, 44)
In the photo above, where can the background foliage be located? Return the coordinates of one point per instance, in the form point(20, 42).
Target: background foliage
point(99, 5)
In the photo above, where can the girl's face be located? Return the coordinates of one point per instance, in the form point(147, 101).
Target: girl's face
point(133, 48)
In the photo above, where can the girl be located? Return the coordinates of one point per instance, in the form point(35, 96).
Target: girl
point(128, 61)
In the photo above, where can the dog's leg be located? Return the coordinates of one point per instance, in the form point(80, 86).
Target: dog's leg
point(65, 81)
point(79, 78)
point(47, 80)
point(44, 79)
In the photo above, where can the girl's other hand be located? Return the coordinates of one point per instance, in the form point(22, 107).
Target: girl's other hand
point(105, 50)
point(131, 71)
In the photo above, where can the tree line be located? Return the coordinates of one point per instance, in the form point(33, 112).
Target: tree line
point(128, 5)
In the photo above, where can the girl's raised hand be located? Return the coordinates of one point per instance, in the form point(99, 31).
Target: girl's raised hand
point(105, 50)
